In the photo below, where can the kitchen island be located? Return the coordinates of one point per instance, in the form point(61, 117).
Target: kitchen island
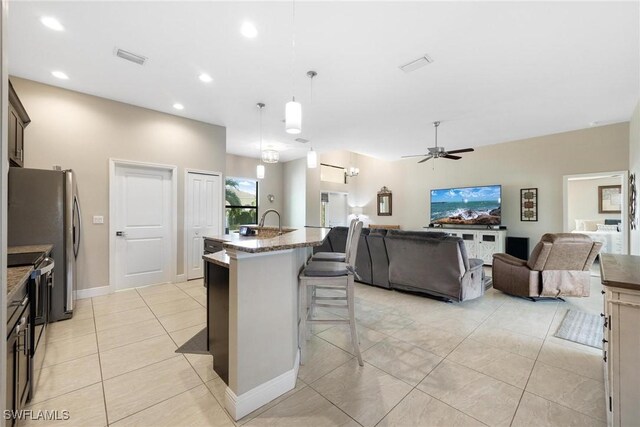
point(252, 313)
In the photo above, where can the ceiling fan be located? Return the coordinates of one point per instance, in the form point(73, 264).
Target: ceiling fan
point(439, 152)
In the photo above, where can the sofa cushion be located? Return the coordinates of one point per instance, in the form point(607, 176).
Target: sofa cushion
point(429, 264)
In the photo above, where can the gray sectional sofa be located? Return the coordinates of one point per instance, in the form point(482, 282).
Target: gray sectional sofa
point(432, 263)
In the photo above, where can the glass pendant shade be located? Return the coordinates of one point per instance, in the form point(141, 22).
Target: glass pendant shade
point(312, 159)
point(270, 156)
point(260, 171)
point(293, 117)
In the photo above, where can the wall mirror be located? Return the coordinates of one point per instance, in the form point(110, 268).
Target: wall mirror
point(384, 202)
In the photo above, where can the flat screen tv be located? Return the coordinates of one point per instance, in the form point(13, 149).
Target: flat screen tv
point(467, 205)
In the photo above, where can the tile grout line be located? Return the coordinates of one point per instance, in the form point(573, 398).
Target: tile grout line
point(151, 364)
point(104, 394)
point(172, 339)
point(534, 366)
point(157, 403)
point(413, 387)
point(442, 359)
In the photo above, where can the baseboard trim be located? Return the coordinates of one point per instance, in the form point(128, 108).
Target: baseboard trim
point(246, 403)
point(181, 278)
point(92, 292)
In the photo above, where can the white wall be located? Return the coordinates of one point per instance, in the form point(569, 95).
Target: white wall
point(536, 162)
point(634, 167)
point(582, 200)
point(295, 193)
point(82, 132)
point(245, 167)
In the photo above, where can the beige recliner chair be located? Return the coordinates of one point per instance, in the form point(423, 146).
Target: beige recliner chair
point(559, 266)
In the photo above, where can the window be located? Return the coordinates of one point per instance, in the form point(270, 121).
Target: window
point(241, 197)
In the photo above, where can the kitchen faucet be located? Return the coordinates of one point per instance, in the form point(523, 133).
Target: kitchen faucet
point(261, 223)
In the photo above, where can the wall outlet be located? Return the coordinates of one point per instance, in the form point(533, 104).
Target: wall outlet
point(98, 219)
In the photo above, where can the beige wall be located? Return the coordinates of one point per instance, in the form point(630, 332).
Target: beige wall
point(81, 132)
point(245, 167)
point(582, 200)
point(536, 162)
point(634, 167)
point(315, 186)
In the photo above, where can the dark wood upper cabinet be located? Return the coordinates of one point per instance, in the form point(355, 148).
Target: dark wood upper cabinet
point(18, 120)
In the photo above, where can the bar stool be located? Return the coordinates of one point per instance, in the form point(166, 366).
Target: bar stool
point(328, 275)
point(336, 256)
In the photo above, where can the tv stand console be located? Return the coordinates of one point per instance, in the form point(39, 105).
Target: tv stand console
point(480, 243)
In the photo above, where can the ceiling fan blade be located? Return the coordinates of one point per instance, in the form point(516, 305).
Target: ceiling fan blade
point(449, 156)
point(425, 159)
point(415, 155)
point(463, 150)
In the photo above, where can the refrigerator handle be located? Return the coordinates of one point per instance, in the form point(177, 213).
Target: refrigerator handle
point(76, 234)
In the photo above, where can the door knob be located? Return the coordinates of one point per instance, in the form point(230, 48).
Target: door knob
point(121, 233)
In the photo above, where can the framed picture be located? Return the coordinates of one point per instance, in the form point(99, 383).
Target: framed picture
point(609, 199)
point(529, 204)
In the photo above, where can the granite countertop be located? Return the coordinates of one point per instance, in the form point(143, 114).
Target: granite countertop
point(16, 277)
point(303, 237)
point(620, 271)
point(29, 249)
point(221, 258)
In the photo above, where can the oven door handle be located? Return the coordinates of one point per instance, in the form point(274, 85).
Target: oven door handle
point(46, 269)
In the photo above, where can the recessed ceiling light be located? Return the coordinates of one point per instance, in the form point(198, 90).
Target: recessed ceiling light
point(206, 78)
point(52, 23)
point(248, 30)
point(178, 106)
point(60, 75)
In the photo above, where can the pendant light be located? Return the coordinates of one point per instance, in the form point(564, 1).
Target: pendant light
point(293, 109)
point(312, 159)
point(260, 167)
point(312, 156)
point(270, 156)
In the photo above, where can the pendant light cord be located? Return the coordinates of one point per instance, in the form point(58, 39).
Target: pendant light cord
point(293, 48)
point(261, 107)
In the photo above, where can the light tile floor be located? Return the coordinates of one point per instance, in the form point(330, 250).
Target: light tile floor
point(491, 361)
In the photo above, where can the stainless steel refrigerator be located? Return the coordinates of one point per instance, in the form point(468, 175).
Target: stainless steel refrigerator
point(44, 209)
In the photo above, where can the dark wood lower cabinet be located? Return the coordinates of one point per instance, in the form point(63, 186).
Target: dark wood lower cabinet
point(18, 362)
point(217, 281)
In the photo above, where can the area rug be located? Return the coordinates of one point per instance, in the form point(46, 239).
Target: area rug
point(581, 327)
point(195, 345)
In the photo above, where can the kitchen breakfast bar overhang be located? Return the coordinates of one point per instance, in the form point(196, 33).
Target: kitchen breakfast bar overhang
point(253, 313)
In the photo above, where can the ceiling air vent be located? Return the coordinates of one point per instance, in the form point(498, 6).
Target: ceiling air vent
point(138, 59)
point(301, 140)
point(417, 63)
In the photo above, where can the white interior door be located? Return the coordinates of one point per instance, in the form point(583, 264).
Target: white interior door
point(337, 210)
point(143, 219)
point(202, 217)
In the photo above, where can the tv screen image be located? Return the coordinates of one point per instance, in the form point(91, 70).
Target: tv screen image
point(467, 205)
